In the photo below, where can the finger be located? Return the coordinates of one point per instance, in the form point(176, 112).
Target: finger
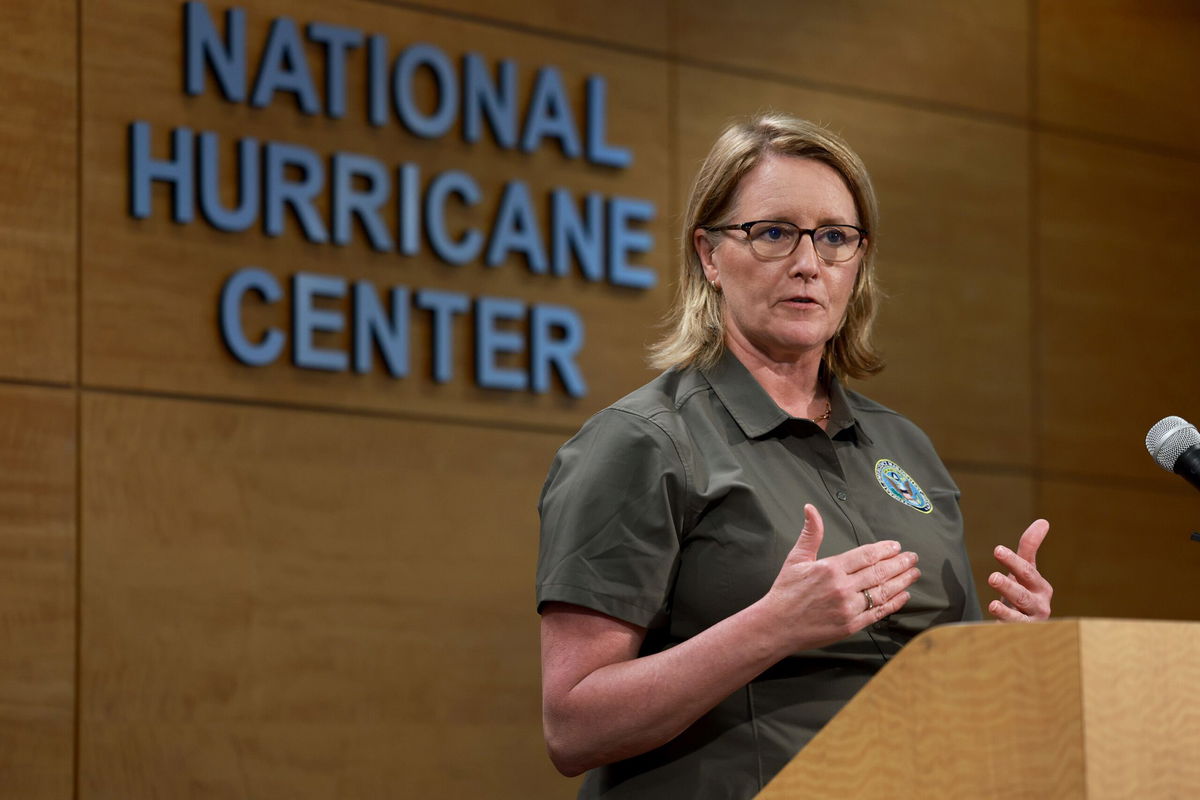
point(866, 555)
point(1022, 570)
point(882, 571)
point(1018, 596)
point(1032, 539)
point(1004, 613)
point(881, 610)
point(811, 536)
point(890, 588)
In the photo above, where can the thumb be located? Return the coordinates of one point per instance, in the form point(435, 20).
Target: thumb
point(1032, 539)
point(810, 538)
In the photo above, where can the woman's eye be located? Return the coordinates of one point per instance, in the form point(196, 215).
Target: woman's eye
point(833, 236)
point(772, 233)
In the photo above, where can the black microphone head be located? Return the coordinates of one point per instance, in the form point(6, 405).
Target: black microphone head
point(1168, 440)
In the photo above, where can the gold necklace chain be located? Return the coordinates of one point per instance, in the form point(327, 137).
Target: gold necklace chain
point(825, 416)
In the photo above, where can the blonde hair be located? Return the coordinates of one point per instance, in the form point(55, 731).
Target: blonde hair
point(695, 320)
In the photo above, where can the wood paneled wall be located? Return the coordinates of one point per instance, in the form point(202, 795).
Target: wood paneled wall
point(219, 581)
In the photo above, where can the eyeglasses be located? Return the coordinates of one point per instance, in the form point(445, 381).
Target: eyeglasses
point(772, 239)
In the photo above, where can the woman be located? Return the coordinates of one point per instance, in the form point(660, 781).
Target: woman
point(731, 551)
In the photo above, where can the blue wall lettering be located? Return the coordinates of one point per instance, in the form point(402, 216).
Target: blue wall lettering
point(413, 58)
point(227, 57)
point(408, 209)
point(558, 353)
point(242, 216)
point(309, 319)
point(280, 191)
point(598, 149)
point(377, 81)
point(624, 241)
point(450, 250)
point(229, 317)
point(550, 115)
point(496, 101)
point(338, 41)
point(516, 230)
point(398, 208)
point(492, 341)
point(580, 235)
point(284, 68)
point(350, 202)
point(176, 171)
point(442, 306)
point(374, 327)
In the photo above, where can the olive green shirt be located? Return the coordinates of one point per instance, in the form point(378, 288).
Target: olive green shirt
point(675, 507)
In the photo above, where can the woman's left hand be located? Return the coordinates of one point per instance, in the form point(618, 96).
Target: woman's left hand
point(1026, 594)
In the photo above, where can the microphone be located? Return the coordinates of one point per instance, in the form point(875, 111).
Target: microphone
point(1175, 445)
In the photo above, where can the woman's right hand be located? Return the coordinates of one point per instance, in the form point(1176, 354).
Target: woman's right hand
point(601, 702)
point(824, 600)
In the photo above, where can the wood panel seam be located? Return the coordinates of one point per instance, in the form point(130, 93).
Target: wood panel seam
point(1112, 140)
point(335, 410)
point(516, 27)
point(34, 383)
point(670, 56)
point(1033, 254)
point(1151, 483)
point(1081, 654)
point(859, 93)
point(77, 739)
point(674, 213)
point(902, 100)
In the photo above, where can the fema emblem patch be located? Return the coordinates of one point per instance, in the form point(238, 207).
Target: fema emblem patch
point(900, 486)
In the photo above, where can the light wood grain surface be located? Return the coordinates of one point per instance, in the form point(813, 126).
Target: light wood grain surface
point(37, 592)
point(38, 172)
point(341, 606)
point(1069, 709)
point(996, 510)
point(980, 711)
point(625, 23)
point(1116, 299)
point(1121, 68)
point(1123, 551)
point(972, 54)
point(1143, 680)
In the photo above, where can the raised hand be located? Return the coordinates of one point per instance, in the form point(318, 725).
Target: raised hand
point(823, 600)
point(1025, 593)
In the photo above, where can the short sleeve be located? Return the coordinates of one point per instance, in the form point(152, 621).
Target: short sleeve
point(612, 512)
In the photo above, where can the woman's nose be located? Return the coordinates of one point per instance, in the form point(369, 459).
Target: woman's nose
point(805, 261)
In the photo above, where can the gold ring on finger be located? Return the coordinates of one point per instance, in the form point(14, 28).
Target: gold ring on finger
point(870, 600)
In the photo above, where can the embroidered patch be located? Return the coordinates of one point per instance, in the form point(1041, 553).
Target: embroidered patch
point(901, 487)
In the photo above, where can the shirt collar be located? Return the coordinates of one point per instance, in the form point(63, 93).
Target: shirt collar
point(754, 410)
point(841, 417)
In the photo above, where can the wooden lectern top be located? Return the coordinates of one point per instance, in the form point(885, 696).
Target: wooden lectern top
point(1081, 708)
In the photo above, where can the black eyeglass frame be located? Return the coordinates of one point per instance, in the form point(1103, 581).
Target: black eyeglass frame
point(812, 233)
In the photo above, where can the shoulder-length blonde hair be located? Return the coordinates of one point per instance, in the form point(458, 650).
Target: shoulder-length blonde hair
point(695, 319)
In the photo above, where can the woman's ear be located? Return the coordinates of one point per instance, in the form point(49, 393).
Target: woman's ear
point(704, 250)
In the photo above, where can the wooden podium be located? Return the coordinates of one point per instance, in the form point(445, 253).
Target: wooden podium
point(1084, 708)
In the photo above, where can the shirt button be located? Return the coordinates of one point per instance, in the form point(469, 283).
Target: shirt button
point(841, 495)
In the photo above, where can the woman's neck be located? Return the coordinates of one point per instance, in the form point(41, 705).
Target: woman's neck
point(794, 385)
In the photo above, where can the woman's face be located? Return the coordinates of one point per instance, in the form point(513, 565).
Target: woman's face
point(785, 309)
